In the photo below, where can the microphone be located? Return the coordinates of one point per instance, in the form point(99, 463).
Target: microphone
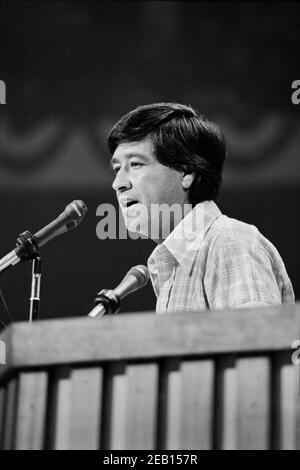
point(28, 245)
point(109, 301)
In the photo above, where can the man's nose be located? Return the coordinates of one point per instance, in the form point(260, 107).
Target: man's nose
point(121, 181)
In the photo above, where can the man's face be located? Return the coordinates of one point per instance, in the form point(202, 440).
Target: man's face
point(141, 183)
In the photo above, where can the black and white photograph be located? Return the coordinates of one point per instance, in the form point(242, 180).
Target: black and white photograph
point(150, 229)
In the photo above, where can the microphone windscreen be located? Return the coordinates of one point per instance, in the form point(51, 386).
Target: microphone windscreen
point(76, 210)
point(141, 273)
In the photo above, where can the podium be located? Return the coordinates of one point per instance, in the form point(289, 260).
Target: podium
point(203, 380)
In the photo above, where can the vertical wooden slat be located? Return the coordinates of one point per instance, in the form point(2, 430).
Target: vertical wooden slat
point(63, 408)
point(133, 398)
point(286, 403)
point(169, 418)
point(10, 414)
point(189, 404)
point(226, 404)
point(117, 403)
point(86, 408)
point(197, 389)
point(31, 412)
point(78, 404)
point(2, 407)
point(253, 423)
point(142, 398)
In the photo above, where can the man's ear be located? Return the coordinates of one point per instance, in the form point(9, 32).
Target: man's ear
point(187, 180)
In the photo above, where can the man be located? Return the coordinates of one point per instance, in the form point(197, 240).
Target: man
point(169, 155)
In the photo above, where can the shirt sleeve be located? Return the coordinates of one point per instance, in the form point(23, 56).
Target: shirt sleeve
point(240, 275)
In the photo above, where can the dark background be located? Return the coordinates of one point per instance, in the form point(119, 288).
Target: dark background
point(73, 68)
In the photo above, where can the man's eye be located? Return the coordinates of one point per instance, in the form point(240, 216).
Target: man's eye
point(136, 164)
point(116, 169)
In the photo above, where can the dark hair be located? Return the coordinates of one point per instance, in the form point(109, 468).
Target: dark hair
point(182, 139)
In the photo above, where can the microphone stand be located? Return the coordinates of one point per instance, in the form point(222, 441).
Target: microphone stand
point(28, 249)
point(35, 289)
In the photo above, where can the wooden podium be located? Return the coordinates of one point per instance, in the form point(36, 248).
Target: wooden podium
point(206, 380)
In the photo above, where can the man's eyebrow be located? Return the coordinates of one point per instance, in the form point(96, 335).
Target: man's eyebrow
point(128, 156)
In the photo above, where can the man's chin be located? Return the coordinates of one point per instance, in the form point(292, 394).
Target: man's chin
point(136, 219)
point(137, 225)
point(137, 228)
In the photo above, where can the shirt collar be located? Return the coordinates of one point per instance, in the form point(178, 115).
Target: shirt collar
point(186, 239)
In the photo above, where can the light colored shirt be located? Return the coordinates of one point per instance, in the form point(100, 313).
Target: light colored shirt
point(211, 261)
